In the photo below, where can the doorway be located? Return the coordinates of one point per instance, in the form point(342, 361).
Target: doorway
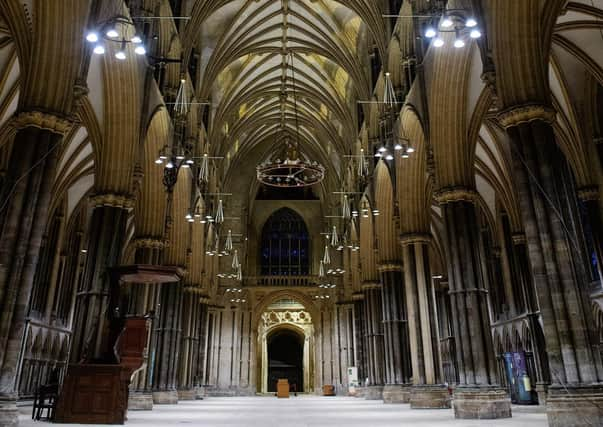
point(285, 359)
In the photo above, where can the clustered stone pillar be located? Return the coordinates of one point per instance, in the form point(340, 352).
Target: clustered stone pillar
point(168, 332)
point(547, 196)
point(373, 330)
point(478, 394)
point(93, 310)
point(395, 335)
point(194, 321)
point(359, 341)
point(24, 202)
point(427, 392)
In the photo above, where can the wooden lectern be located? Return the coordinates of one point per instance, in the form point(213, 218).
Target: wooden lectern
point(282, 389)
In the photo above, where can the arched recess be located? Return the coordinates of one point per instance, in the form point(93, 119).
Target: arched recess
point(285, 312)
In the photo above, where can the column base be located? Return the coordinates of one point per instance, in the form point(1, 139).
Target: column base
point(575, 406)
point(9, 414)
point(360, 392)
point(199, 393)
point(373, 392)
point(169, 397)
point(481, 403)
point(140, 401)
point(429, 397)
point(187, 394)
point(396, 393)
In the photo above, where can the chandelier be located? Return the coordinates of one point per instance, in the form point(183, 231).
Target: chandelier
point(293, 170)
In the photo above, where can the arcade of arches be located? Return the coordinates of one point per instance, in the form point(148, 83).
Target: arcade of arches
point(450, 259)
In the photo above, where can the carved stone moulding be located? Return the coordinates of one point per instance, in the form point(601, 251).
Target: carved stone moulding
point(389, 266)
point(371, 285)
point(138, 273)
point(122, 201)
point(358, 296)
point(526, 113)
point(589, 194)
point(519, 239)
point(42, 120)
point(407, 239)
point(429, 397)
point(483, 403)
point(150, 243)
point(456, 194)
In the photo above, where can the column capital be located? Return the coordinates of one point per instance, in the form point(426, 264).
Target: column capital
point(456, 194)
point(526, 113)
point(389, 266)
point(42, 120)
point(519, 238)
point(407, 239)
point(588, 194)
point(122, 201)
point(149, 243)
point(371, 284)
point(358, 296)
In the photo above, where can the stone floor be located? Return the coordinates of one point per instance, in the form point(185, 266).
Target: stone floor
point(305, 411)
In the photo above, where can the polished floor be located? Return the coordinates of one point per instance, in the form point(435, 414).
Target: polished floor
point(306, 411)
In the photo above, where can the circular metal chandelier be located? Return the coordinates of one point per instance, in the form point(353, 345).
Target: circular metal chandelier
point(291, 172)
point(294, 171)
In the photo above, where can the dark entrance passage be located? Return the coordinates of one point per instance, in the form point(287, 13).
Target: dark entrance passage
point(285, 359)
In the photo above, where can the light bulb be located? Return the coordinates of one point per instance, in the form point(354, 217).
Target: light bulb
point(471, 22)
point(170, 165)
point(136, 40)
point(447, 23)
point(112, 33)
point(378, 155)
point(186, 165)
point(398, 147)
point(140, 50)
point(121, 55)
point(158, 161)
point(99, 49)
point(405, 155)
point(92, 37)
point(410, 150)
point(475, 34)
point(382, 149)
point(459, 43)
point(438, 42)
point(430, 33)
point(389, 157)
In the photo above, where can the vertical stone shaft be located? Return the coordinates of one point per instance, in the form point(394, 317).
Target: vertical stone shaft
point(397, 350)
point(105, 243)
point(168, 333)
point(374, 336)
point(421, 314)
point(477, 395)
point(359, 341)
point(542, 174)
point(23, 214)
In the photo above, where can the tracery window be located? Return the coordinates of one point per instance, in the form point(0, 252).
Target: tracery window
point(285, 245)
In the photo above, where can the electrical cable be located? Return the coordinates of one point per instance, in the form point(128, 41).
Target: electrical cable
point(22, 177)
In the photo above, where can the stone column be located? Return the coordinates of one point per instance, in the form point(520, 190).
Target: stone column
point(106, 239)
point(547, 201)
point(590, 199)
point(201, 364)
point(395, 336)
point(374, 340)
point(359, 341)
point(427, 392)
point(168, 333)
point(24, 202)
point(144, 301)
point(478, 394)
point(193, 317)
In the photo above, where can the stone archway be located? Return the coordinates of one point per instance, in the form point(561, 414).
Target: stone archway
point(286, 316)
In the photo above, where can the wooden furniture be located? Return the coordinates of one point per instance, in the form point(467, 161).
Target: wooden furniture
point(328, 390)
point(282, 389)
point(45, 399)
point(98, 393)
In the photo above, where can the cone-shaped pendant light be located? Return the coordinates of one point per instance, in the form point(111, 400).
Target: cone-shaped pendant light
point(346, 207)
point(220, 213)
point(326, 259)
point(204, 169)
point(228, 244)
point(321, 270)
point(334, 237)
point(235, 260)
